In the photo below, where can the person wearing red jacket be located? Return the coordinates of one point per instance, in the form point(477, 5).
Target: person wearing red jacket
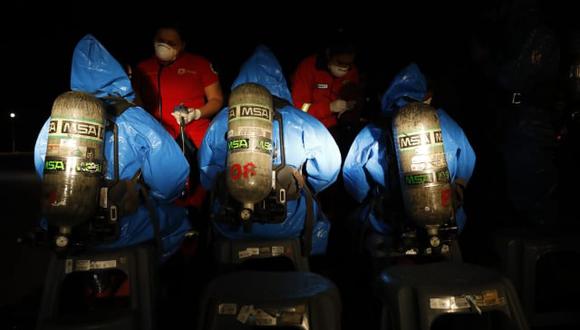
point(319, 81)
point(175, 78)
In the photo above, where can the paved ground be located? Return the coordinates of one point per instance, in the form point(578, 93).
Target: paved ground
point(24, 267)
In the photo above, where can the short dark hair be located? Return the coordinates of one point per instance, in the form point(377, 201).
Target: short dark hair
point(177, 26)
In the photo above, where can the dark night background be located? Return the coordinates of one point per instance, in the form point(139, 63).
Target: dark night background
point(38, 41)
point(442, 36)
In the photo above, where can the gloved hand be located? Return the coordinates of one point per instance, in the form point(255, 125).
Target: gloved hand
point(192, 114)
point(340, 106)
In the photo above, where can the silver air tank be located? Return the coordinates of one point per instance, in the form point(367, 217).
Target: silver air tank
point(249, 156)
point(423, 171)
point(74, 164)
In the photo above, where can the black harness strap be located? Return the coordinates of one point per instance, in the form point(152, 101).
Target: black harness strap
point(127, 198)
point(309, 220)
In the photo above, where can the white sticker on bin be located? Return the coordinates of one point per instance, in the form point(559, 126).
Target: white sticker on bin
point(227, 309)
point(248, 252)
point(86, 265)
point(264, 319)
point(277, 251)
point(245, 312)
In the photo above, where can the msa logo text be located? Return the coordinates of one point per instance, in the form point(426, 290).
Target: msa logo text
point(249, 111)
point(76, 127)
point(236, 144)
point(415, 140)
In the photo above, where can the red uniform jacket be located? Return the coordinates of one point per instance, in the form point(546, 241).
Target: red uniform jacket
point(313, 88)
point(183, 81)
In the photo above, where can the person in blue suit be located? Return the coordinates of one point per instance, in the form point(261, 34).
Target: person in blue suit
point(308, 146)
point(366, 172)
point(144, 145)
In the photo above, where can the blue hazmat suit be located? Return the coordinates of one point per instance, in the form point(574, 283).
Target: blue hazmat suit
point(308, 145)
point(365, 169)
point(143, 145)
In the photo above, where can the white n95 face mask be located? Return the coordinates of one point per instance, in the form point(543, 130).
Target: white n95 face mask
point(338, 71)
point(164, 52)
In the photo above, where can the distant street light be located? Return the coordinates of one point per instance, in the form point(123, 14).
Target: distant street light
point(13, 126)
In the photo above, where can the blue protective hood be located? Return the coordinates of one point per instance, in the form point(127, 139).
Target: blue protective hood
point(144, 145)
point(409, 84)
point(307, 145)
point(263, 68)
point(95, 71)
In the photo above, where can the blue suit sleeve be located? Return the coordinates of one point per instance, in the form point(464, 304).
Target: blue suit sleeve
point(365, 165)
point(464, 154)
point(165, 169)
point(213, 152)
point(323, 158)
point(465, 160)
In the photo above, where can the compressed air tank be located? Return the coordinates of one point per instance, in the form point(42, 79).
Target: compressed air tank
point(249, 153)
point(424, 176)
point(74, 163)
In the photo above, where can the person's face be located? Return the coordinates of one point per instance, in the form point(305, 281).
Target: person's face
point(168, 45)
point(171, 37)
point(340, 64)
